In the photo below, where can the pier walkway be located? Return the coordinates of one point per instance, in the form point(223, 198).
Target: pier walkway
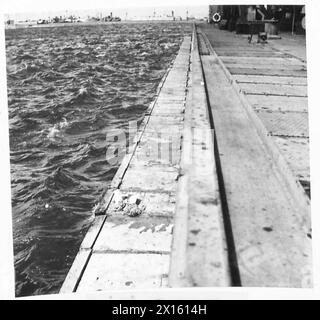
point(274, 84)
point(253, 93)
point(210, 193)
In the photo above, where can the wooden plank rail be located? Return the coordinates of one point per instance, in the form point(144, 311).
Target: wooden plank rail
point(199, 254)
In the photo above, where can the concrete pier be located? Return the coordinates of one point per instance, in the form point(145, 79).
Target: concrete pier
point(209, 194)
point(120, 251)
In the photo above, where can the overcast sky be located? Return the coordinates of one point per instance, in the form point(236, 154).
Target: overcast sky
point(12, 6)
point(33, 8)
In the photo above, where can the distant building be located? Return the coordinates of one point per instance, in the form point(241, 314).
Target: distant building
point(111, 18)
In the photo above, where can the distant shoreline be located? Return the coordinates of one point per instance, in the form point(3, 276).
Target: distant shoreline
point(63, 24)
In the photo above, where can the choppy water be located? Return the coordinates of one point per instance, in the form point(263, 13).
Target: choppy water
point(67, 86)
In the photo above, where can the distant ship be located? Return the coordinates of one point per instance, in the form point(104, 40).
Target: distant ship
point(111, 18)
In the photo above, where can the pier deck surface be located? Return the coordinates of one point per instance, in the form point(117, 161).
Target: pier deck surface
point(174, 188)
point(263, 151)
point(215, 189)
point(273, 79)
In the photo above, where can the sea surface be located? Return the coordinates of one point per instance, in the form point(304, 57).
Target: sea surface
point(67, 88)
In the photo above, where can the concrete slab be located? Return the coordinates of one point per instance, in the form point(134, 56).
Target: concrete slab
point(274, 89)
point(291, 124)
point(253, 65)
point(294, 45)
point(169, 111)
point(277, 103)
point(124, 271)
point(142, 178)
point(248, 53)
point(159, 148)
point(295, 150)
point(257, 61)
point(269, 72)
point(271, 80)
point(140, 234)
